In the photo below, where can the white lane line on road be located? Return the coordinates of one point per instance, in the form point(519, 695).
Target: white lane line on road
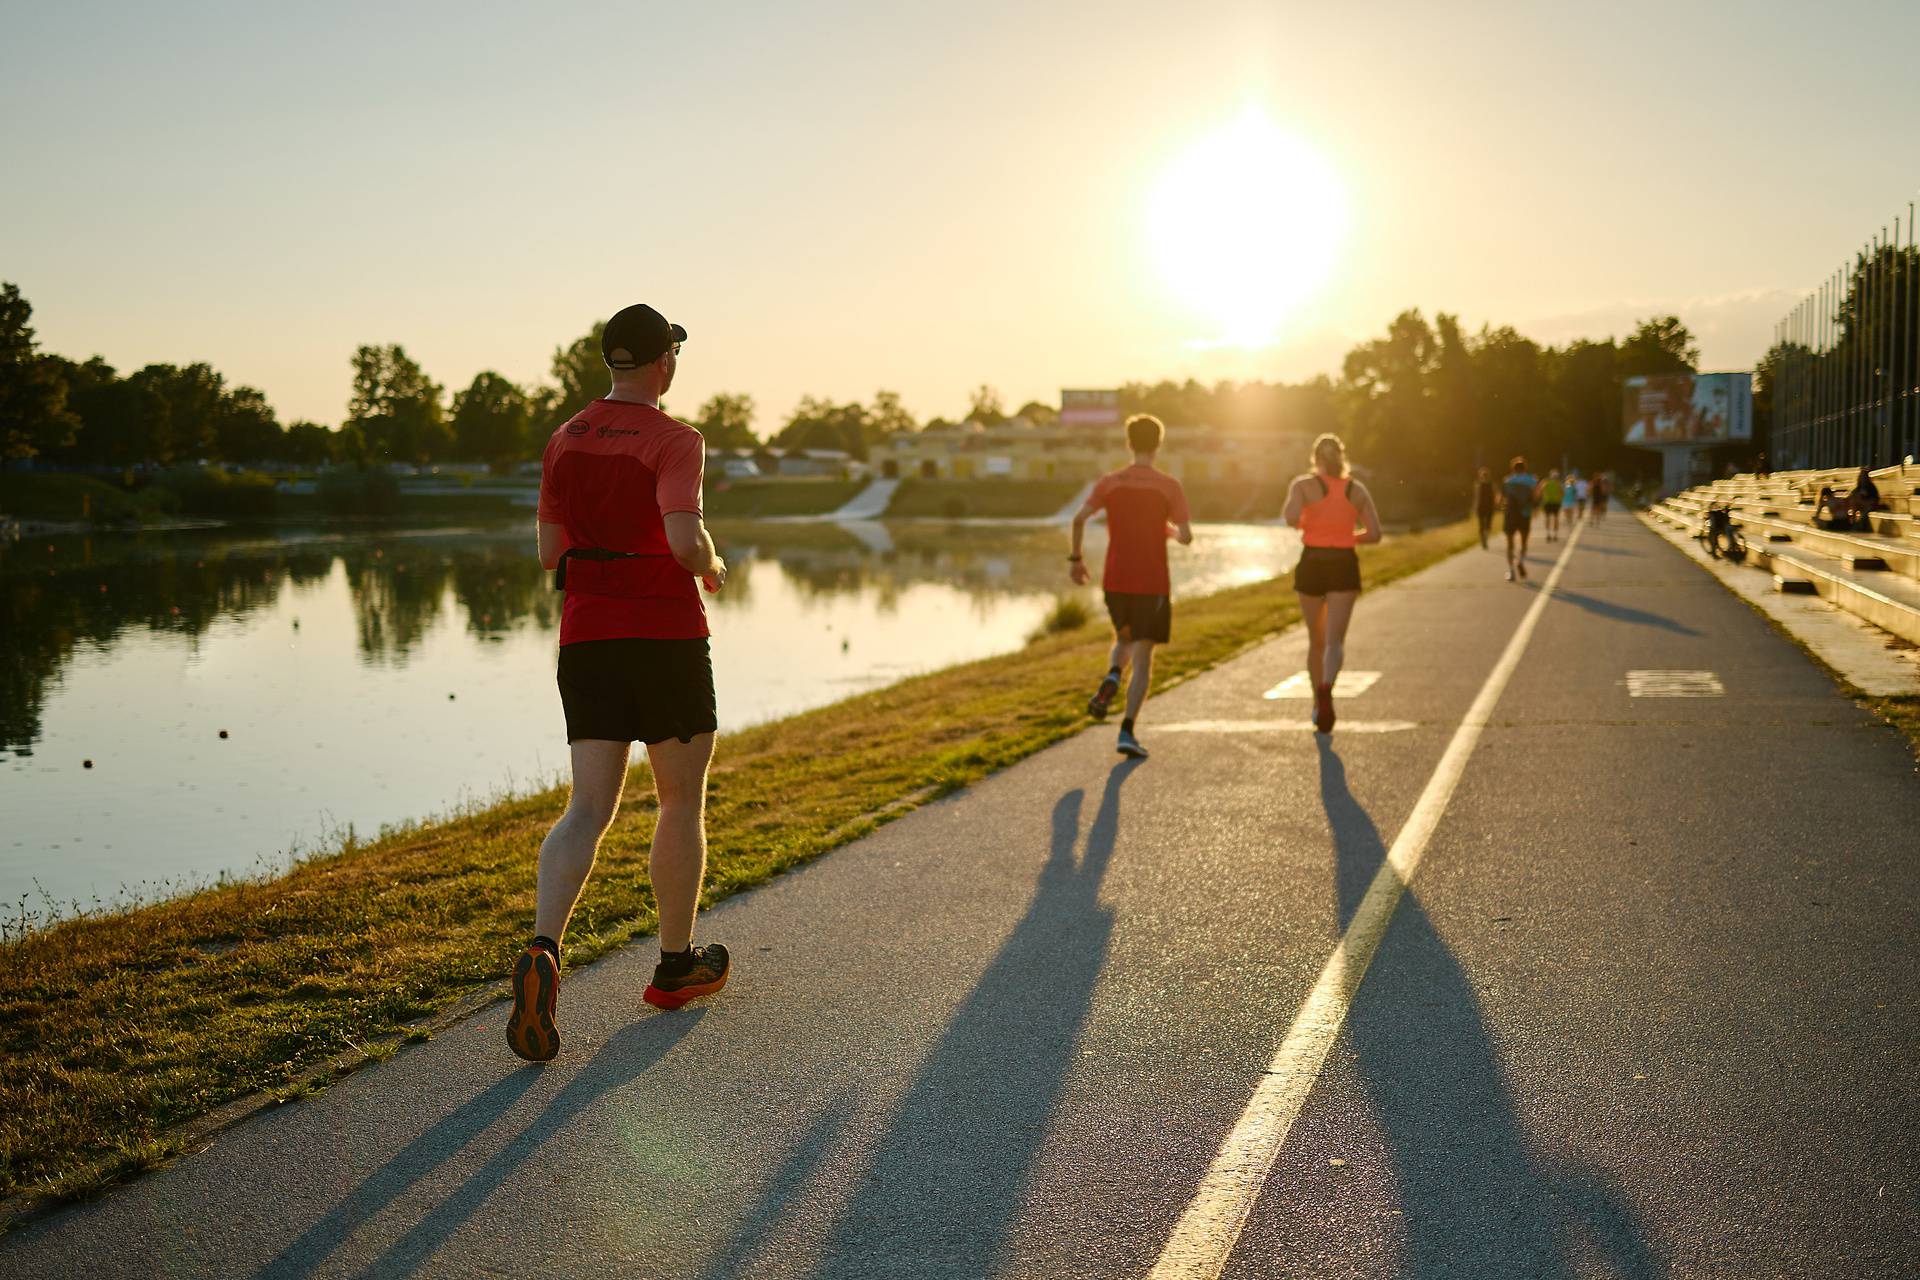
point(1282, 726)
point(1204, 1238)
point(1348, 684)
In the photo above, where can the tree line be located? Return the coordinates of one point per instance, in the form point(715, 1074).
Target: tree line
point(1425, 396)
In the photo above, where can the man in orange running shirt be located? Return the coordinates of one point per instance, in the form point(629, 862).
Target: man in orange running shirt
point(1144, 506)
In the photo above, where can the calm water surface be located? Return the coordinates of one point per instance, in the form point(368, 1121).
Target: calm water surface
point(366, 679)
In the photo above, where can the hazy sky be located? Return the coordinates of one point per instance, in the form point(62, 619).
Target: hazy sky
point(836, 197)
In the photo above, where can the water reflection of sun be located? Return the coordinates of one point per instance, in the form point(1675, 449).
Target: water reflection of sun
point(1246, 226)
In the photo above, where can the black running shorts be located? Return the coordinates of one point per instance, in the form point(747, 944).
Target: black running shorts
point(1518, 522)
point(637, 690)
point(1140, 617)
point(1324, 569)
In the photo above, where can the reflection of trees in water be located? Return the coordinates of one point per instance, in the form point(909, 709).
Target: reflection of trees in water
point(92, 591)
point(984, 564)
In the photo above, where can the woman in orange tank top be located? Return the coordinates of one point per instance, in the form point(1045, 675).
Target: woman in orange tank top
point(1334, 515)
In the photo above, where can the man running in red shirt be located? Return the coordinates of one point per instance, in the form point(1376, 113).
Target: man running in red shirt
point(1144, 505)
point(619, 523)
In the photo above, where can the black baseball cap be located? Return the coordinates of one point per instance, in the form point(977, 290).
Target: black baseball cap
point(642, 333)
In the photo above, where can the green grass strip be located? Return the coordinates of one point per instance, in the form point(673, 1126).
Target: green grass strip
point(116, 1028)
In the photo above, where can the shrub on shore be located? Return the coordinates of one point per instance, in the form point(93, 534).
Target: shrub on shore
point(212, 491)
point(1069, 613)
point(349, 491)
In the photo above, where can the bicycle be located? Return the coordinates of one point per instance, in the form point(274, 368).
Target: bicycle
point(1722, 534)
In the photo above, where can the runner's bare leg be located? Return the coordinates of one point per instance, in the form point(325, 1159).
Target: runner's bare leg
point(1339, 614)
point(1314, 610)
point(678, 859)
point(1142, 676)
point(566, 855)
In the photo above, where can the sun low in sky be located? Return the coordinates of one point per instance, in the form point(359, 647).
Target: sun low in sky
point(1246, 227)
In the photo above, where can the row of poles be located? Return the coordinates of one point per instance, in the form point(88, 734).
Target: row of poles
point(1846, 362)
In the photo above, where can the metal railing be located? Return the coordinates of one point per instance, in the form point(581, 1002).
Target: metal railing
point(1845, 363)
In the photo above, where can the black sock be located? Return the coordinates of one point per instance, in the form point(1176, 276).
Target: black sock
point(1126, 726)
point(553, 948)
point(672, 960)
point(1114, 672)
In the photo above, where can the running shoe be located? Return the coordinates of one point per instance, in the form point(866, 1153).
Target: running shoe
point(1129, 746)
point(536, 987)
point(1522, 566)
point(1323, 708)
point(1102, 698)
point(704, 975)
point(1509, 573)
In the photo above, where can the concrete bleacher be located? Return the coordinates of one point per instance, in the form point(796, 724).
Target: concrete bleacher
point(1875, 575)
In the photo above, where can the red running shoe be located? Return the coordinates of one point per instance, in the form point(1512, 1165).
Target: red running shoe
point(703, 975)
point(1323, 708)
point(536, 988)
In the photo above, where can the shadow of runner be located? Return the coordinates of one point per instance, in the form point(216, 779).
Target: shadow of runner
point(417, 1160)
point(623, 1059)
point(1477, 1200)
point(949, 1177)
point(1624, 613)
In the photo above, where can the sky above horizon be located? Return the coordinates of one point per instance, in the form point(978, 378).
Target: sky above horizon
point(839, 197)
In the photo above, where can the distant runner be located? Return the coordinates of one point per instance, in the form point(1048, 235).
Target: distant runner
point(619, 523)
point(1483, 504)
point(1602, 489)
point(1334, 514)
point(1581, 489)
point(1144, 505)
point(1551, 493)
point(1517, 495)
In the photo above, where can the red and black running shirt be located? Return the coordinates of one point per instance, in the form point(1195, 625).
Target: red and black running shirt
point(609, 476)
point(1140, 501)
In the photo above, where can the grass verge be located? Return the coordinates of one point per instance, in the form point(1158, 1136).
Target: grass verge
point(747, 499)
point(114, 1029)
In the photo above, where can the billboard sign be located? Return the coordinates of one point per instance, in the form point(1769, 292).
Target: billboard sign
point(1688, 408)
point(1089, 408)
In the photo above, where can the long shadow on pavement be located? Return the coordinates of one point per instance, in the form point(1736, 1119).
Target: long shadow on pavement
point(1623, 613)
point(1477, 1199)
point(942, 1194)
point(623, 1059)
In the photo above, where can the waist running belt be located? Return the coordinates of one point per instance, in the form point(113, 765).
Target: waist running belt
point(587, 553)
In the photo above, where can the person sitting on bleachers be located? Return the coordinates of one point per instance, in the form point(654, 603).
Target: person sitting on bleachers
point(1864, 499)
point(1831, 512)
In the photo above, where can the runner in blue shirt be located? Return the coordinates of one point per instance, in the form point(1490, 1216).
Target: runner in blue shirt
point(1517, 495)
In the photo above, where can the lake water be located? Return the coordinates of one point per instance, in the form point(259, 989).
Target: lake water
point(371, 678)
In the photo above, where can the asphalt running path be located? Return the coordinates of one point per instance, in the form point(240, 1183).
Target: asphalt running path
point(1642, 1011)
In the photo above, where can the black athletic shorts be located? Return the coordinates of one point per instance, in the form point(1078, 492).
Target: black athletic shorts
point(1551, 508)
point(1140, 617)
point(1516, 522)
point(1324, 569)
point(637, 690)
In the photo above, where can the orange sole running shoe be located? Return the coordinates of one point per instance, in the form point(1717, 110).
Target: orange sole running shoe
point(536, 988)
point(706, 975)
point(1323, 708)
point(1102, 700)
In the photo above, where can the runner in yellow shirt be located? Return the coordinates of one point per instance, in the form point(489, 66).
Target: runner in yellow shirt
point(1552, 493)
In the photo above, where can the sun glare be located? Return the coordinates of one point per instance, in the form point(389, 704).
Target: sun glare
point(1246, 227)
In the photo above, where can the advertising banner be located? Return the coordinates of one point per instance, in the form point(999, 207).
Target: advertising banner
point(1688, 408)
point(1089, 408)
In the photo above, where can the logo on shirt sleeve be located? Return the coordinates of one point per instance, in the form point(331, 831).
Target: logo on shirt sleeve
point(578, 427)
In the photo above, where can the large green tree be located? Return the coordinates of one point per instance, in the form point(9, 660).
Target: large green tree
point(1659, 344)
point(246, 429)
point(490, 421)
point(180, 411)
point(395, 413)
point(726, 420)
point(34, 418)
point(579, 373)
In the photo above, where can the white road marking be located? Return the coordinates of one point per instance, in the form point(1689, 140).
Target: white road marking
point(1205, 1236)
point(1281, 726)
point(1348, 684)
point(1674, 684)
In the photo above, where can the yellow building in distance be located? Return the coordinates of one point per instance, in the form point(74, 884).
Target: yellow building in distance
point(1087, 442)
